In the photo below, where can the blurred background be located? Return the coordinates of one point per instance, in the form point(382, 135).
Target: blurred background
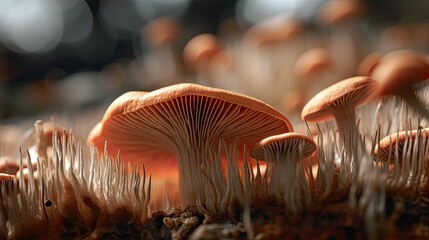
point(68, 58)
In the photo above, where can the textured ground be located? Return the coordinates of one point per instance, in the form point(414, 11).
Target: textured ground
point(328, 219)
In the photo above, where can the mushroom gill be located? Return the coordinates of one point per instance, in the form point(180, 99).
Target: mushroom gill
point(187, 121)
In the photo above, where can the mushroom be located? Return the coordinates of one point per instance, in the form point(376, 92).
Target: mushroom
point(26, 175)
point(183, 123)
point(198, 53)
point(398, 72)
point(407, 152)
point(339, 102)
point(283, 152)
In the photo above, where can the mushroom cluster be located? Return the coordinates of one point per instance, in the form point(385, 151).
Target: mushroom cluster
point(287, 177)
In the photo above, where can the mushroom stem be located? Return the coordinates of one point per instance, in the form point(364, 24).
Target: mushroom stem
point(191, 175)
point(350, 141)
point(347, 130)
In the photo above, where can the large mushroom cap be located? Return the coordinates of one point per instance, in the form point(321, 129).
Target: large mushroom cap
point(144, 126)
point(399, 70)
point(388, 143)
point(294, 144)
point(349, 93)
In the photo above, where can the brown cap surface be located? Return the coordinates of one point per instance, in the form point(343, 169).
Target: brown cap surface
point(287, 144)
point(347, 94)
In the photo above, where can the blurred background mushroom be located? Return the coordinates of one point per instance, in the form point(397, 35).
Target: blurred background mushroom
point(138, 44)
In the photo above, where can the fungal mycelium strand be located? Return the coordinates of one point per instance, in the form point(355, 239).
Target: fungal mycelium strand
point(83, 200)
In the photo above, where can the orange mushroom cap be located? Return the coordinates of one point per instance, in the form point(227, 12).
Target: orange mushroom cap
point(347, 94)
point(367, 65)
point(287, 144)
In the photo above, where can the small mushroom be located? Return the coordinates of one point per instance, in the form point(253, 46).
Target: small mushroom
point(283, 152)
point(386, 148)
point(398, 72)
point(175, 128)
point(339, 102)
